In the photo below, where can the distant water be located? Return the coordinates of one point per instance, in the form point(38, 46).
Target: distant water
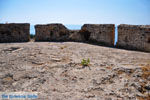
point(71, 27)
point(74, 27)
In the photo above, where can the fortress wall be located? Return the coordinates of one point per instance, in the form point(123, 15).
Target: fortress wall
point(135, 37)
point(129, 36)
point(14, 32)
point(75, 35)
point(101, 33)
point(51, 32)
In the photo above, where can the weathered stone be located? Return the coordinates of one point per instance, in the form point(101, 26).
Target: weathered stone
point(135, 37)
point(102, 33)
point(51, 32)
point(15, 32)
point(75, 35)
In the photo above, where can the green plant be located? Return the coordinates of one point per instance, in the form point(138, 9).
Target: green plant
point(85, 62)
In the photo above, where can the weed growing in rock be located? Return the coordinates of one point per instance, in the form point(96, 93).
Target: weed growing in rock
point(85, 62)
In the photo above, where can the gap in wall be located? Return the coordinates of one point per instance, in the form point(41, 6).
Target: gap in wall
point(32, 30)
point(116, 34)
point(73, 27)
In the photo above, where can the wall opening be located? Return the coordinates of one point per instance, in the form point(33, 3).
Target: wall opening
point(86, 35)
point(116, 35)
point(73, 27)
point(32, 31)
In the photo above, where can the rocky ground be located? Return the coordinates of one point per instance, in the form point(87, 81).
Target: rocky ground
point(54, 70)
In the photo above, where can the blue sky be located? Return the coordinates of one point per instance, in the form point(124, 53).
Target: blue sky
point(75, 11)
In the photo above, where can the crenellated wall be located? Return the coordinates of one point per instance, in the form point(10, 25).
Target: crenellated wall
point(14, 32)
point(51, 32)
point(102, 33)
point(136, 37)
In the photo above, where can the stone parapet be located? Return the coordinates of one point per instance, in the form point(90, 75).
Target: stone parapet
point(14, 32)
point(136, 37)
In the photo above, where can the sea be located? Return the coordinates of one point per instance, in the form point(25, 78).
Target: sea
point(74, 27)
point(71, 27)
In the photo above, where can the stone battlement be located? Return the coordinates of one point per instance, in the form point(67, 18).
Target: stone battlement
point(102, 33)
point(14, 32)
point(136, 37)
point(51, 32)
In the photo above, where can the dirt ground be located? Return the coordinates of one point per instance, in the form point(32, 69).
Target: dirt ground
point(54, 70)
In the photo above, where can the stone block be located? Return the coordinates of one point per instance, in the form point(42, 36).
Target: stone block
point(100, 33)
point(14, 32)
point(51, 32)
point(136, 37)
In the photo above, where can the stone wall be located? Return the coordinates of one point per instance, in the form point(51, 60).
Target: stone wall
point(135, 37)
point(14, 32)
point(101, 33)
point(129, 36)
point(51, 32)
point(75, 35)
